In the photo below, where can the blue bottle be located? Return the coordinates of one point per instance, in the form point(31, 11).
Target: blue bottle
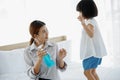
point(48, 60)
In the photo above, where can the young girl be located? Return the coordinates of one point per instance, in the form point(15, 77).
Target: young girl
point(34, 56)
point(92, 47)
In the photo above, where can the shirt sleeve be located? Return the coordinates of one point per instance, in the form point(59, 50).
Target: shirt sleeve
point(57, 61)
point(29, 62)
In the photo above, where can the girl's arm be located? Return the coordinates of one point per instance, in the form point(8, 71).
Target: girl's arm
point(89, 29)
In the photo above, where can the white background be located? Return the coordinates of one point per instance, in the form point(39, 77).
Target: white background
point(60, 17)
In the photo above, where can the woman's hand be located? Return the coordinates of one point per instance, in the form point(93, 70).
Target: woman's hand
point(41, 53)
point(62, 54)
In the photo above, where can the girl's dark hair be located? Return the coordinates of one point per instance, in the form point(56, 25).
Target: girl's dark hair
point(34, 28)
point(88, 8)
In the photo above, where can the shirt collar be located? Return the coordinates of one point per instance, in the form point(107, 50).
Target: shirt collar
point(47, 44)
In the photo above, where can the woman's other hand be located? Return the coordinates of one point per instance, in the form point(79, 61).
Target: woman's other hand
point(62, 54)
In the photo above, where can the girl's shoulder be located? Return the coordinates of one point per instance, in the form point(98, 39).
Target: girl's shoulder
point(91, 21)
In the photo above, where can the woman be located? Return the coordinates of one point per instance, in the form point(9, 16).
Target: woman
point(34, 56)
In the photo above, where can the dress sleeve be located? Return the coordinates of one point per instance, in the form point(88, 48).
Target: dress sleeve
point(92, 22)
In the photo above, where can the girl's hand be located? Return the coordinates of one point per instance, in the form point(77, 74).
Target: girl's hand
point(81, 18)
point(62, 54)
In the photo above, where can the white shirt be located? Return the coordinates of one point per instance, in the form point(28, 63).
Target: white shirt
point(92, 46)
point(30, 57)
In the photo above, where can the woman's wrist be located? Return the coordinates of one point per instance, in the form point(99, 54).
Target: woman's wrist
point(40, 59)
point(61, 63)
point(37, 66)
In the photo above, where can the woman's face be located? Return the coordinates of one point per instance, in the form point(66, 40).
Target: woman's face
point(42, 35)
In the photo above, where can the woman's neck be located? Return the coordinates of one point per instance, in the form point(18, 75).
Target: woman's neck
point(42, 45)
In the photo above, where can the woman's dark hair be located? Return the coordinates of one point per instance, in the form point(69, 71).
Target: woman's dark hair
point(34, 28)
point(88, 8)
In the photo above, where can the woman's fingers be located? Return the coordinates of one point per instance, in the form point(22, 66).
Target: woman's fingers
point(41, 53)
point(62, 53)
